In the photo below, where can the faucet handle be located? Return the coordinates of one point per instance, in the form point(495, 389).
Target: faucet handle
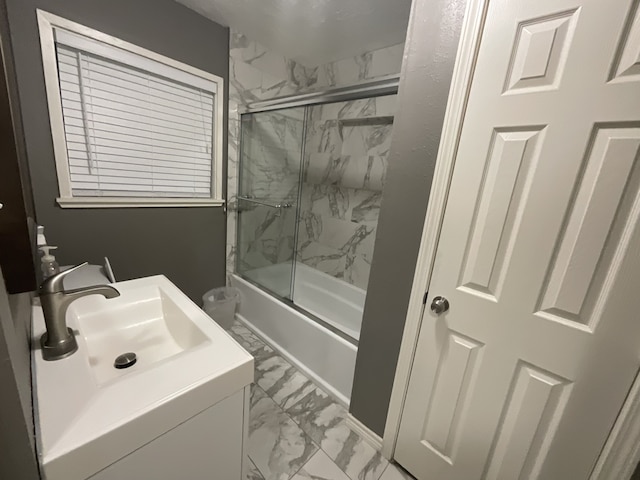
point(53, 284)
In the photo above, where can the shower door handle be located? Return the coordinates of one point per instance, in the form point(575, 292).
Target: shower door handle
point(278, 205)
point(282, 206)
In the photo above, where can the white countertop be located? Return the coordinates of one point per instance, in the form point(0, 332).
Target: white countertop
point(84, 427)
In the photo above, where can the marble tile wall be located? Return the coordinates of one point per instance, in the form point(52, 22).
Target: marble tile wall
point(346, 152)
point(377, 63)
point(270, 173)
point(256, 73)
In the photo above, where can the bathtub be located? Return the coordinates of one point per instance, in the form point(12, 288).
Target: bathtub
point(333, 300)
point(325, 355)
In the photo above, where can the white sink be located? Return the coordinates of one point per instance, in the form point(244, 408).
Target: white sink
point(91, 414)
point(144, 320)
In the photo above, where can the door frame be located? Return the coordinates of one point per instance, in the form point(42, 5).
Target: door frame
point(621, 452)
point(464, 67)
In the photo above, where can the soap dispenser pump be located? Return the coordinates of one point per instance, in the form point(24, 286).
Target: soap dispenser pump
point(49, 264)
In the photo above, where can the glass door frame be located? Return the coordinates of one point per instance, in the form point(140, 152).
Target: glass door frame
point(280, 205)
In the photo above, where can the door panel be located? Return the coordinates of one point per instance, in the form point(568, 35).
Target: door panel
point(449, 393)
point(535, 396)
point(598, 199)
point(540, 52)
point(506, 169)
point(627, 66)
point(539, 252)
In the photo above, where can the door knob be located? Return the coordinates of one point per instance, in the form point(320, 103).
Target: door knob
point(439, 305)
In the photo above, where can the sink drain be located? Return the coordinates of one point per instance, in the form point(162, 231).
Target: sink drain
point(125, 360)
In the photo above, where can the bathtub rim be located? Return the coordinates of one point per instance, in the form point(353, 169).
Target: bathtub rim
point(337, 396)
point(303, 311)
point(331, 381)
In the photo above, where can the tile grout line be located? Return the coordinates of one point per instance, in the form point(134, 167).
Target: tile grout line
point(298, 425)
point(248, 455)
point(301, 429)
point(383, 471)
point(295, 423)
point(303, 465)
point(320, 449)
point(256, 466)
point(263, 343)
point(306, 434)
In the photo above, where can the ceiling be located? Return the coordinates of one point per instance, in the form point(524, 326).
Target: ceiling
point(312, 31)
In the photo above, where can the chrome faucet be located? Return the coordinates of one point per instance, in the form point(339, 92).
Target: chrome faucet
point(59, 341)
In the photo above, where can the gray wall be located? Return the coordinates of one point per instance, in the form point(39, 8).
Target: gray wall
point(17, 443)
point(17, 436)
point(185, 244)
point(434, 31)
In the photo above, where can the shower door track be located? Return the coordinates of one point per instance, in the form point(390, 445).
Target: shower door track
point(291, 304)
point(382, 86)
point(387, 85)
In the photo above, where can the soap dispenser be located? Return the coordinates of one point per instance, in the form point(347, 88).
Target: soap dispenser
point(49, 264)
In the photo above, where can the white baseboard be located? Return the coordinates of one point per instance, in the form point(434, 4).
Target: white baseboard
point(371, 437)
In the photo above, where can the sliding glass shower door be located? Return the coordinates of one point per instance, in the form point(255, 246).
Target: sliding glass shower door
point(311, 183)
point(269, 185)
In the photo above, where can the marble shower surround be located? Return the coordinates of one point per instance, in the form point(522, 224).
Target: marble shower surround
point(271, 172)
point(256, 73)
point(346, 151)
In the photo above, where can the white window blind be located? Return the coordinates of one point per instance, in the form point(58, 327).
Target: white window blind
point(132, 132)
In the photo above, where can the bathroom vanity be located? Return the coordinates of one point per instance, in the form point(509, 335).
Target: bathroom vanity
point(179, 411)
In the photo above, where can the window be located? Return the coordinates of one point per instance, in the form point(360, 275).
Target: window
point(130, 127)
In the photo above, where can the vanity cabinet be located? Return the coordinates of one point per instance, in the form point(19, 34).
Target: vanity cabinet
point(207, 446)
point(180, 412)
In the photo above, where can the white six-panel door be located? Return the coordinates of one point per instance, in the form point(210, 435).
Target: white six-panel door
point(539, 255)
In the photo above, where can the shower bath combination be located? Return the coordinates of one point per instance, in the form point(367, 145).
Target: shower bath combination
point(310, 189)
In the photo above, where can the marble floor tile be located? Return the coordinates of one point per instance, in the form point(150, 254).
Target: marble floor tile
point(287, 390)
point(262, 353)
point(317, 413)
point(395, 472)
point(270, 367)
point(257, 394)
point(245, 337)
point(320, 467)
point(289, 413)
point(253, 472)
point(279, 379)
point(325, 422)
point(277, 446)
point(353, 454)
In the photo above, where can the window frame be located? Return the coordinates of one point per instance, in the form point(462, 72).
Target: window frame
point(47, 22)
